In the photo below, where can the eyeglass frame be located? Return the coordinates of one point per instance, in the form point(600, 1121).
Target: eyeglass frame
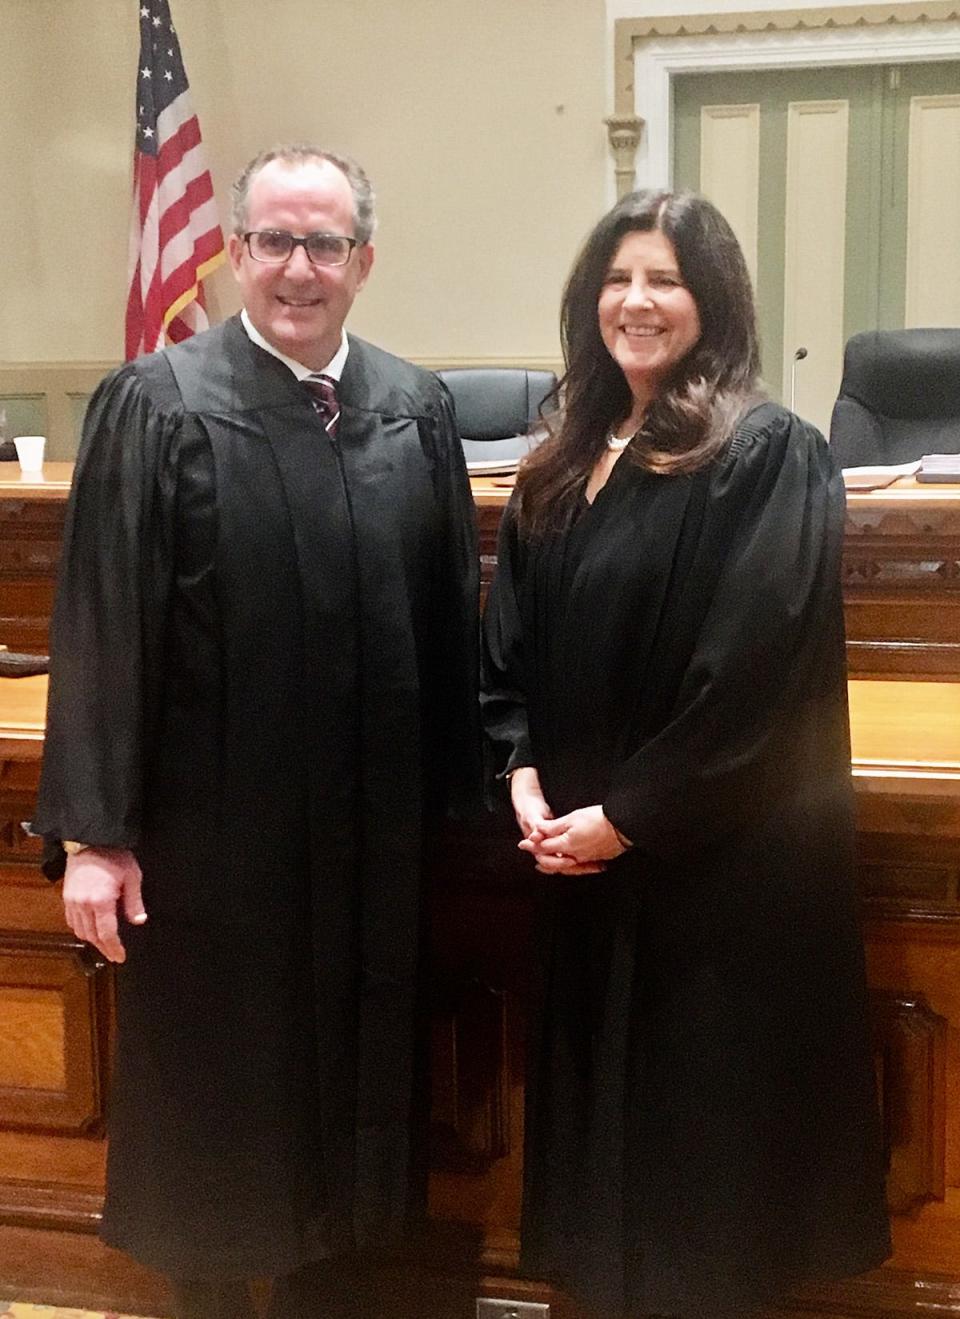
point(301, 241)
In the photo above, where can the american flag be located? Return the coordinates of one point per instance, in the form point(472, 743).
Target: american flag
point(175, 236)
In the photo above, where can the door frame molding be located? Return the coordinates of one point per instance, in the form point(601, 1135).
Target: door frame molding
point(650, 52)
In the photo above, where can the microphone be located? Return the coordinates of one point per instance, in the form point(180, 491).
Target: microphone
point(798, 356)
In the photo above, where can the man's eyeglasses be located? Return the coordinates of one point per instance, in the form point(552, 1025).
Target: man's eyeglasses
point(275, 246)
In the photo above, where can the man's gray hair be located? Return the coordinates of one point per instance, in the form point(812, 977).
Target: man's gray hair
point(299, 153)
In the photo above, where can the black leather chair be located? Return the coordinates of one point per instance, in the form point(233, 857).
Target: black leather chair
point(899, 397)
point(496, 409)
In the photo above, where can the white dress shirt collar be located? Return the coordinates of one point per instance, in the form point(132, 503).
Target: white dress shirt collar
point(333, 369)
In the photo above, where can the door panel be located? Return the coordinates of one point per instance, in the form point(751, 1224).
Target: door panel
point(852, 215)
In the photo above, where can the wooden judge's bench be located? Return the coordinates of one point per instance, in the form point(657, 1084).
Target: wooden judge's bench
point(902, 585)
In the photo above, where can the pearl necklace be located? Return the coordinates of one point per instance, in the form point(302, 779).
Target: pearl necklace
point(615, 443)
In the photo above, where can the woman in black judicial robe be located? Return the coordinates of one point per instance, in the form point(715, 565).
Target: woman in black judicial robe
point(665, 684)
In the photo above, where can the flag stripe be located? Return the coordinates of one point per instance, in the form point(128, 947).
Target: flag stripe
point(175, 234)
point(182, 224)
point(191, 275)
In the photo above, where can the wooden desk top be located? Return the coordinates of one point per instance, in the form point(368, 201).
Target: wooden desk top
point(906, 493)
point(903, 733)
point(52, 483)
point(493, 491)
point(23, 708)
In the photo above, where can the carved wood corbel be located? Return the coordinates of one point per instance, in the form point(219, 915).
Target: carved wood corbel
point(623, 133)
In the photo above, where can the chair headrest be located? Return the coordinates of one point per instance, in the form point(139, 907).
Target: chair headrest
point(495, 402)
point(904, 373)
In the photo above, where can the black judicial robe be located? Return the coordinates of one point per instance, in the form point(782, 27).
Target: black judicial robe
point(702, 1127)
point(264, 682)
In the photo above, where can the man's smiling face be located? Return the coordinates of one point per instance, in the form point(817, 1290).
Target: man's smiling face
point(298, 307)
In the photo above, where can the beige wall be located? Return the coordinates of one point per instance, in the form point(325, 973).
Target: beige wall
point(480, 123)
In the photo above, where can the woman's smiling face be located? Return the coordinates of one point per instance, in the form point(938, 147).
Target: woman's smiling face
point(648, 317)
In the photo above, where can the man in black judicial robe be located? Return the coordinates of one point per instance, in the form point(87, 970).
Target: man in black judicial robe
point(262, 688)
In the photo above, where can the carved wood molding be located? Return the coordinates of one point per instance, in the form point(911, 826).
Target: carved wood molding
point(50, 1205)
point(901, 585)
point(922, 660)
point(877, 568)
point(899, 888)
point(529, 362)
point(924, 560)
point(908, 525)
point(910, 1042)
point(629, 31)
point(623, 134)
point(788, 20)
point(904, 639)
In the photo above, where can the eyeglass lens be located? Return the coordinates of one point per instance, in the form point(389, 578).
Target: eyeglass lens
point(276, 245)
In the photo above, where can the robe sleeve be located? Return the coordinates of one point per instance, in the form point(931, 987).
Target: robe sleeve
point(762, 701)
point(503, 682)
point(114, 579)
point(453, 769)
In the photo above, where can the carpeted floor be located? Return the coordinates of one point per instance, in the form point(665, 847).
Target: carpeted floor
point(25, 1310)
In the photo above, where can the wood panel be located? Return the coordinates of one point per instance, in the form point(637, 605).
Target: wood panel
point(907, 768)
point(32, 513)
point(55, 1024)
point(730, 170)
point(470, 1115)
point(910, 1046)
point(51, 1065)
point(933, 203)
point(814, 251)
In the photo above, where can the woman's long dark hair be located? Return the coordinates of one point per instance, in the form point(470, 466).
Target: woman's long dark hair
point(691, 419)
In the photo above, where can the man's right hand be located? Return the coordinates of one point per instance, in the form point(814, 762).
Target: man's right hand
point(95, 882)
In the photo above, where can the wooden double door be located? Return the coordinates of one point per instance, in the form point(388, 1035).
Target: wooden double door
point(843, 186)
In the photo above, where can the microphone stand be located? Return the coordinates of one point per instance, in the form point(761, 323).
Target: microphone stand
point(798, 356)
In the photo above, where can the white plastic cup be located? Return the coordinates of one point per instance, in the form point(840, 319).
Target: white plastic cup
point(30, 452)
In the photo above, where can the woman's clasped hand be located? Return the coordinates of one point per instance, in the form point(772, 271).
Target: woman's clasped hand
point(579, 843)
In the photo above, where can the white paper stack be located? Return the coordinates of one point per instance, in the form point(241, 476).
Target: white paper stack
point(939, 467)
point(877, 478)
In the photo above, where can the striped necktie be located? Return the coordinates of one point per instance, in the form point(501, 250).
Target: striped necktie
point(323, 392)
